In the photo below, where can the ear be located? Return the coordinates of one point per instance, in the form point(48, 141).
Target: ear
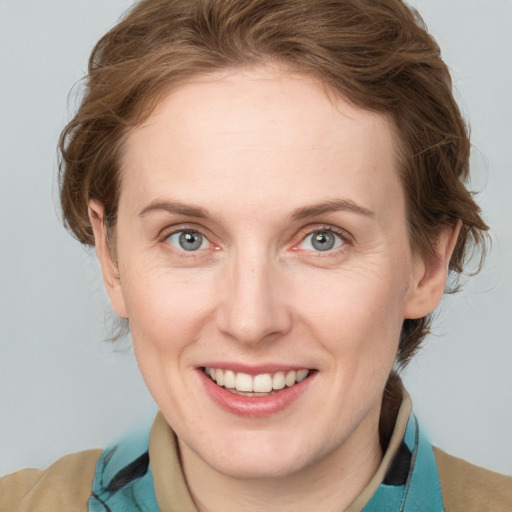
point(109, 267)
point(429, 279)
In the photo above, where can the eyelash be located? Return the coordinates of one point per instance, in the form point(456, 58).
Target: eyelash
point(342, 234)
point(165, 235)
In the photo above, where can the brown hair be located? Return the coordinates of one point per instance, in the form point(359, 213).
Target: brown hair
point(376, 53)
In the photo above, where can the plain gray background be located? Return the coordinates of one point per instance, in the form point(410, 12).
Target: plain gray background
point(63, 388)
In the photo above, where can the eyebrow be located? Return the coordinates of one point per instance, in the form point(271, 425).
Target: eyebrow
point(176, 207)
point(304, 212)
point(333, 205)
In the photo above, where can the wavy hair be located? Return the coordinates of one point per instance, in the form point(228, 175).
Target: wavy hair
point(376, 53)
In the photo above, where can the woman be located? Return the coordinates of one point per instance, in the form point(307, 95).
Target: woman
point(276, 195)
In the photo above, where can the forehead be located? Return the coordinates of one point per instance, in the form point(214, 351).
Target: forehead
point(257, 134)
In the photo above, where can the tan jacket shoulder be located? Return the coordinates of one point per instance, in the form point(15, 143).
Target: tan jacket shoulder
point(469, 488)
point(65, 486)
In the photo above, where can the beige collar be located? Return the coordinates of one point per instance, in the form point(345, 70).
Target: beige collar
point(394, 443)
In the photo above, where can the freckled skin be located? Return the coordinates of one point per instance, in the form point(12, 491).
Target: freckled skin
point(250, 148)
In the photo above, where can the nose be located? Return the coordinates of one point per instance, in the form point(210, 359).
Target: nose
point(255, 306)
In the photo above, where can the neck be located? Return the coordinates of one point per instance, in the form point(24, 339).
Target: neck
point(329, 484)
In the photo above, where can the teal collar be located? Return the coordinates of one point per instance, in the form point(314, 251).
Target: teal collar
point(123, 481)
point(412, 482)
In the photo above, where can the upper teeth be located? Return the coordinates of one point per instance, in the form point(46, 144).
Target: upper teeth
point(262, 383)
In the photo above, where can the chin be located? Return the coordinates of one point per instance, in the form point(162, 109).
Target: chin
point(262, 467)
point(261, 455)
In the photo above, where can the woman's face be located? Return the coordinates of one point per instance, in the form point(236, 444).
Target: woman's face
point(262, 232)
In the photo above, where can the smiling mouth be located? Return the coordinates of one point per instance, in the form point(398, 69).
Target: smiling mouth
point(264, 384)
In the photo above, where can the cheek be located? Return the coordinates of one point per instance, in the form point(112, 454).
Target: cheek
point(358, 310)
point(164, 310)
point(166, 317)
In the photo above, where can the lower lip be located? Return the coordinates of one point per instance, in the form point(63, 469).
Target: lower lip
point(252, 406)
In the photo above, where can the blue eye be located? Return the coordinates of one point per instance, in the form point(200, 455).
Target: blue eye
point(322, 241)
point(188, 240)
